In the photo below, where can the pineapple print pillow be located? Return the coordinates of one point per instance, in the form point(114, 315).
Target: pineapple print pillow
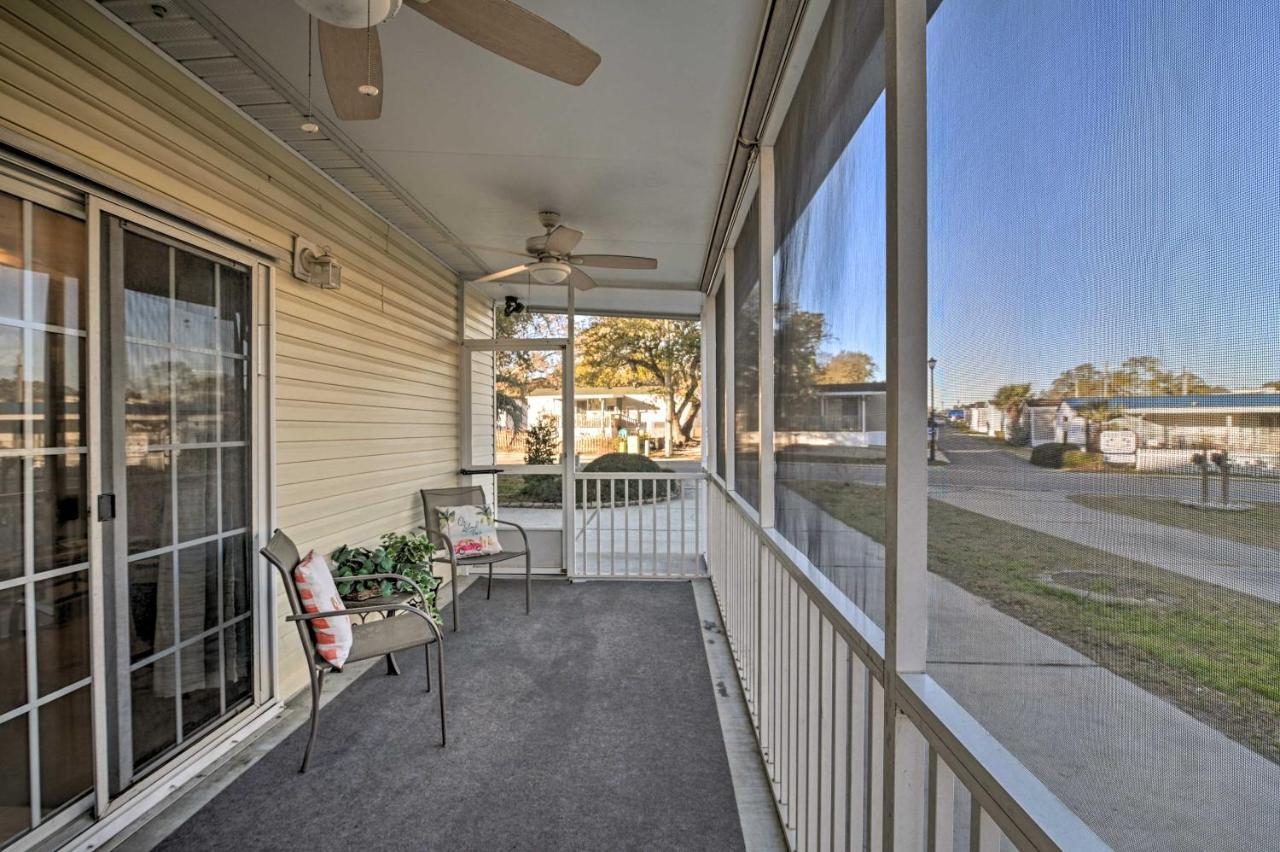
point(471, 530)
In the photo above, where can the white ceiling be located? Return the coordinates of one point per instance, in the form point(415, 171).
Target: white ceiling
point(635, 157)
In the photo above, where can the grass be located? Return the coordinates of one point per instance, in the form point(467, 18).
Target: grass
point(1210, 651)
point(1259, 526)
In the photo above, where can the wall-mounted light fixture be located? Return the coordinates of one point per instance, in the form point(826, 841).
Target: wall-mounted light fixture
point(315, 265)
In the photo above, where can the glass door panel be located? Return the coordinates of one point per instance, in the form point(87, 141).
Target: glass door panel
point(181, 649)
point(46, 750)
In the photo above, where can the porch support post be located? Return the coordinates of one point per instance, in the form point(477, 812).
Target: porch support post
point(569, 486)
point(906, 775)
point(709, 389)
point(765, 353)
point(730, 406)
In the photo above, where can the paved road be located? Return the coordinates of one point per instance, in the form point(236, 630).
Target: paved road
point(984, 478)
point(1143, 774)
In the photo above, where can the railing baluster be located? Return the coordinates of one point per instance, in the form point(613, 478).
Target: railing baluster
point(984, 834)
point(875, 765)
point(599, 531)
point(626, 523)
point(667, 556)
point(942, 804)
point(613, 524)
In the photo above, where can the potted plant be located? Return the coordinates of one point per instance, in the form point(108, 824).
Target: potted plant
point(400, 553)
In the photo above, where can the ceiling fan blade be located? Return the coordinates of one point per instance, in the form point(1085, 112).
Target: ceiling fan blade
point(614, 261)
point(514, 33)
point(581, 280)
point(562, 240)
point(351, 59)
point(494, 276)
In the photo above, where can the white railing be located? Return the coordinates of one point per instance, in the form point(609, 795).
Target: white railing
point(639, 525)
point(813, 673)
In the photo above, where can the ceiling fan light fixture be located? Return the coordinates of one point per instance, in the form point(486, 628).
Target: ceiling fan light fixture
point(549, 271)
point(368, 90)
point(309, 126)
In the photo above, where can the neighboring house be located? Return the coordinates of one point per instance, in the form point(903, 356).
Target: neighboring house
point(1170, 427)
point(986, 419)
point(848, 414)
point(603, 413)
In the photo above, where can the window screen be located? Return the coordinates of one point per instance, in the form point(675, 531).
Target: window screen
point(721, 396)
point(829, 389)
point(1104, 540)
point(746, 358)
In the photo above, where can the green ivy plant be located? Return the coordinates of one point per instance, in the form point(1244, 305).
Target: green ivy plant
point(400, 553)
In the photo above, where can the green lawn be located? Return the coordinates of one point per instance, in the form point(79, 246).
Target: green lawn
point(1213, 652)
point(1259, 526)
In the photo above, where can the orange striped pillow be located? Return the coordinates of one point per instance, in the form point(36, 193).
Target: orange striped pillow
point(320, 594)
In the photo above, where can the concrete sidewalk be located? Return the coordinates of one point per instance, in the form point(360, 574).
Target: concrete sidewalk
point(1142, 773)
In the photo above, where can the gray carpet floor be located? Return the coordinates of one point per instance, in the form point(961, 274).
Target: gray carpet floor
point(590, 724)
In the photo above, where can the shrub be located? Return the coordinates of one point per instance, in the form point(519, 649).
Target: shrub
point(1081, 460)
point(1050, 455)
point(634, 491)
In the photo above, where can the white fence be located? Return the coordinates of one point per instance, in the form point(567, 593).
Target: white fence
point(640, 525)
point(813, 673)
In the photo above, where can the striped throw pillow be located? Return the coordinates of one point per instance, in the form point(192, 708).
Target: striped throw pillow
point(320, 594)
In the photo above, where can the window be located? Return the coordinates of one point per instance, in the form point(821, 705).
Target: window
point(829, 322)
point(1104, 209)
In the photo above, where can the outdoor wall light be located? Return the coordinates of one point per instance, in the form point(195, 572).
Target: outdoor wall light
point(513, 306)
point(315, 265)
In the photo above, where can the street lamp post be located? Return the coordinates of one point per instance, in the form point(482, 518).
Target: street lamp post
point(933, 422)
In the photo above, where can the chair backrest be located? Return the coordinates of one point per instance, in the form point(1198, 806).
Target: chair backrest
point(281, 552)
point(434, 498)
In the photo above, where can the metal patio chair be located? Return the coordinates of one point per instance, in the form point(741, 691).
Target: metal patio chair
point(380, 638)
point(470, 495)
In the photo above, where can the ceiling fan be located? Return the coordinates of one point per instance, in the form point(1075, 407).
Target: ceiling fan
point(351, 54)
point(553, 261)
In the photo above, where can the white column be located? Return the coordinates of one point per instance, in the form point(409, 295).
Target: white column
point(709, 389)
point(765, 359)
point(906, 554)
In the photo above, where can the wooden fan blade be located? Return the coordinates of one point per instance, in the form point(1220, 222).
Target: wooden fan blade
point(562, 240)
point(494, 276)
point(581, 280)
point(351, 59)
point(513, 33)
point(614, 261)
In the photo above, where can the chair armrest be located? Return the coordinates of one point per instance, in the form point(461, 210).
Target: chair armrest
point(524, 535)
point(445, 544)
point(360, 578)
point(311, 616)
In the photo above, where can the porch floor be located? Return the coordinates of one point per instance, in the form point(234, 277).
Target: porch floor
point(590, 724)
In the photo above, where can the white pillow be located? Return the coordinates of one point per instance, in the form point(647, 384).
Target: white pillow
point(471, 530)
point(320, 594)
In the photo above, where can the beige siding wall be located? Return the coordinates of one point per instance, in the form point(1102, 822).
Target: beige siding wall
point(366, 376)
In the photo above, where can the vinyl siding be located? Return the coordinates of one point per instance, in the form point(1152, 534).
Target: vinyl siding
point(366, 377)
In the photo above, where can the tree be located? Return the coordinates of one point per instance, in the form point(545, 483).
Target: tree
point(849, 368)
point(541, 441)
point(1081, 380)
point(518, 372)
point(1010, 397)
point(628, 351)
point(1275, 386)
point(1139, 375)
point(1095, 415)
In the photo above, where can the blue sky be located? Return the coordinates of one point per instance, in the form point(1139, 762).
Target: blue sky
point(1104, 182)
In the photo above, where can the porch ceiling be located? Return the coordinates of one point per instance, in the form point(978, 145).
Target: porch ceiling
point(476, 145)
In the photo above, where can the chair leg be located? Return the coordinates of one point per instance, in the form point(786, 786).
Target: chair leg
point(440, 671)
point(393, 668)
point(453, 578)
point(488, 590)
point(427, 648)
point(528, 579)
point(317, 684)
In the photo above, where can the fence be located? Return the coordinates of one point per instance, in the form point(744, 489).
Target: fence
point(640, 525)
point(813, 673)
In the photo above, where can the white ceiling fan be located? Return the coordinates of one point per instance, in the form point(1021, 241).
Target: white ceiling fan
point(351, 54)
point(553, 261)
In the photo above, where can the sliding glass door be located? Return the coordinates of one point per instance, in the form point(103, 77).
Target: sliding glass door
point(45, 707)
point(179, 558)
point(129, 604)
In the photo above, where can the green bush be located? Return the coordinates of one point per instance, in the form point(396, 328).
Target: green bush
point(1050, 455)
point(635, 490)
point(1081, 460)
